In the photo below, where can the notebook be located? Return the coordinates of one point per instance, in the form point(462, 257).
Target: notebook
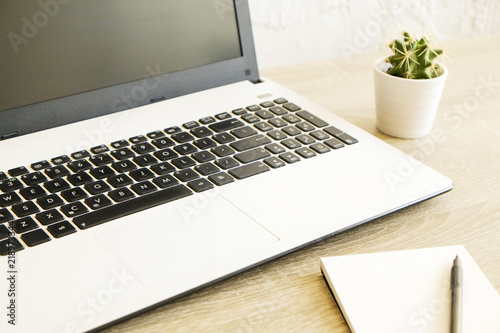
point(409, 291)
point(143, 157)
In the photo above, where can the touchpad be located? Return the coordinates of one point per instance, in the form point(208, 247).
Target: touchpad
point(180, 242)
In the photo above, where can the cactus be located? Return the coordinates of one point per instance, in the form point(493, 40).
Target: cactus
point(413, 59)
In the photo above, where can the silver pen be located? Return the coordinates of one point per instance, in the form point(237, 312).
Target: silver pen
point(456, 296)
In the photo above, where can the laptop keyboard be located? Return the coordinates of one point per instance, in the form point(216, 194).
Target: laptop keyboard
point(58, 197)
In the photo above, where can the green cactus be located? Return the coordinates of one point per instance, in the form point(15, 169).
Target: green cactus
point(413, 59)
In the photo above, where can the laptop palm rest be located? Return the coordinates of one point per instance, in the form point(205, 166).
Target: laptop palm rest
point(188, 243)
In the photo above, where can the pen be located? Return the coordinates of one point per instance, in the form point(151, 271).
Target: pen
point(456, 296)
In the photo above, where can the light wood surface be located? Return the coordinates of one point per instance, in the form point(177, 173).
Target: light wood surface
point(289, 294)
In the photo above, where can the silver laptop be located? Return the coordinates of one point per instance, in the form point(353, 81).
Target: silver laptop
point(142, 157)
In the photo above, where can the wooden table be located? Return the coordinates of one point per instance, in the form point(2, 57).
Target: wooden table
point(289, 294)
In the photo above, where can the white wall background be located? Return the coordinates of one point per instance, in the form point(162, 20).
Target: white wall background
point(295, 31)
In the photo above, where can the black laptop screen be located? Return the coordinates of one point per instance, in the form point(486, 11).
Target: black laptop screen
point(55, 48)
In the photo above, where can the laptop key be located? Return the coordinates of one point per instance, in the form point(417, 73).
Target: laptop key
point(61, 229)
point(120, 180)
point(56, 171)
point(182, 137)
point(50, 201)
point(143, 148)
point(223, 138)
point(274, 162)
point(98, 201)
point(306, 127)
point(23, 225)
point(221, 178)
point(222, 151)
point(163, 168)
point(120, 144)
point(79, 178)
point(9, 199)
point(79, 165)
point(36, 237)
point(49, 217)
point(200, 185)
point(25, 209)
point(121, 194)
point(252, 155)
point(97, 187)
point(56, 185)
point(141, 174)
point(227, 163)
point(33, 178)
point(334, 143)
point(4, 232)
point(226, 125)
point(206, 169)
point(186, 175)
point(60, 159)
point(138, 139)
point(162, 143)
point(18, 171)
point(305, 152)
point(320, 148)
point(40, 165)
point(99, 149)
point(289, 157)
point(10, 184)
point(203, 156)
point(346, 138)
point(248, 170)
point(80, 154)
point(243, 132)
point(102, 172)
point(144, 187)
point(5, 216)
point(74, 209)
point(165, 181)
point(311, 118)
point(9, 245)
point(291, 107)
point(131, 206)
point(251, 142)
point(122, 153)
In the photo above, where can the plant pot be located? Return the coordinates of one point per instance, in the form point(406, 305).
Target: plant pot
point(406, 108)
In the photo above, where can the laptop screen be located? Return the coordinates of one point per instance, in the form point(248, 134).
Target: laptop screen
point(67, 60)
point(51, 50)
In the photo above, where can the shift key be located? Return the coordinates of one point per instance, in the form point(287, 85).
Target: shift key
point(248, 170)
point(251, 142)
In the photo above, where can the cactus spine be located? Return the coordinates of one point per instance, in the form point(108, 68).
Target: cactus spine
point(413, 59)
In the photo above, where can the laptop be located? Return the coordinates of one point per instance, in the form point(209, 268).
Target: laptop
point(143, 157)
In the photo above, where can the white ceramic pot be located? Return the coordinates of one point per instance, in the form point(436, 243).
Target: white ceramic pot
point(406, 108)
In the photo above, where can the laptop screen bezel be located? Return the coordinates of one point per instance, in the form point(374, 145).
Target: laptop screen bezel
point(91, 104)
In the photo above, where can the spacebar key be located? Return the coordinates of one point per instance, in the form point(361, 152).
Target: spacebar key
point(131, 206)
point(248, 170)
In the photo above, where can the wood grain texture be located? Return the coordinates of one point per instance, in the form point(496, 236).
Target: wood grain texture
point(289, 294)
